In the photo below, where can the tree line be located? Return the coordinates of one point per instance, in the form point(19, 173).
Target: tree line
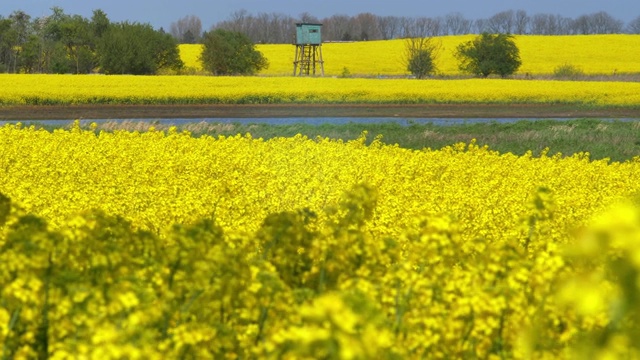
point(64, 43)
point(279, 28)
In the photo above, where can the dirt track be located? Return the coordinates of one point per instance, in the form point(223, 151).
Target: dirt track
point(310, 110)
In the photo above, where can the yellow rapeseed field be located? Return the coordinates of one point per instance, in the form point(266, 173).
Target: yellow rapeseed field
point(153, 245)
point(602, 54)
point(97, 89)
point(593, 54)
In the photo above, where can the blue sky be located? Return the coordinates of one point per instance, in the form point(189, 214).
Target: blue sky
point(161, 13)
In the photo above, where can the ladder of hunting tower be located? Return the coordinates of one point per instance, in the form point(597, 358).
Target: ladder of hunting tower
point(307, 59)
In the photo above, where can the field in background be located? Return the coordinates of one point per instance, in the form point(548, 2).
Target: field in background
point(594, 54)
point(91, 89)
point(599, 57)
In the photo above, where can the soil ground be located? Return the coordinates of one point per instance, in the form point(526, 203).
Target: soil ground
point(63, 112)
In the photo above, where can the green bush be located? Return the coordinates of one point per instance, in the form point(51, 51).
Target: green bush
point(420, 56)
point(489, 54)
point(231, 53)
point(568, 71)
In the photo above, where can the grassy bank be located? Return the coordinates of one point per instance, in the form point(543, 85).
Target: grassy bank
point(617, 140)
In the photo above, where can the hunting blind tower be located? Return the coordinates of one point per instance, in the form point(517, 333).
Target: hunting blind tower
point(308, 49)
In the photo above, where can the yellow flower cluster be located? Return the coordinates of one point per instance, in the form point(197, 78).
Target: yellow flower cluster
point(162, 245)
point(90, 89)
point(190, 55)
point(594, 54)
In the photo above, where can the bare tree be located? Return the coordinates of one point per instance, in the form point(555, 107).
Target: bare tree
point(456, 24)
point(272, 28)
point(279, 28)
point(407, 27)
point(634, 26)
point(502, 23)
point(540, 24)
point(306, 17)
point(597, 23)
point(581, 25)
point(564, 25)
point(427, 27)
point(367, 27)
point(337, 28)
point(187, 30)
point(480, 25)
point(263, 29)
point(603, 23)
point(521, 22)
point(286, 29)
point(238, 21)
point(389, 27)
point(289, 29)
point(549, 24)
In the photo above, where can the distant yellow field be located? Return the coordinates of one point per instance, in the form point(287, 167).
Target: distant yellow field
point(91, 89)
point(594, 54)
point(601, 54)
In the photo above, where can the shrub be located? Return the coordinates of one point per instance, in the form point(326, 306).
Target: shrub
point(489, 54)
point(420, 56)
point(568, 71)
point(231, 53)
